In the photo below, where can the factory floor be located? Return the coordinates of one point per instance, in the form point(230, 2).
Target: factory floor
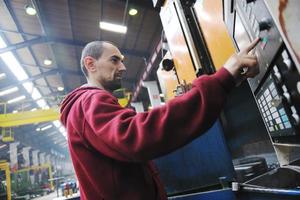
point(53, 196)
point(50, 196)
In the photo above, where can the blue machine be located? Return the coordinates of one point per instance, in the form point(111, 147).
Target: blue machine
point(256, 142)
point(200, 164)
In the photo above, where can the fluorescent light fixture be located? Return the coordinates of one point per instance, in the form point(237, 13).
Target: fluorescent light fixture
point(2, 76)
point(113, 27)
point(28, 87)
point(41, 103)
point(35, 94)
point(60, 88)
point(38, 129)
point(2, 43)
point(57, 123)
point(64, 134)
point(30, 10)
point(62, 129)
point(46, 127)
point(33, 109)
point(14, 66)
point(2, 146)
point(133, 11)
point(20, 98)
point(47, 61)
point(14, 111)
point(9, 91)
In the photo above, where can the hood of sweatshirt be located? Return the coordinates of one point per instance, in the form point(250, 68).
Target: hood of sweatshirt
point(69, 101)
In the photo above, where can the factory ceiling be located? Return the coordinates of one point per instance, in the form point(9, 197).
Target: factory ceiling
point(48, 45)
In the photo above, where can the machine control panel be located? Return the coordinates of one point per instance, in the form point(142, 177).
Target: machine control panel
point(273, 110)
point(278, 98)
point(277, 86)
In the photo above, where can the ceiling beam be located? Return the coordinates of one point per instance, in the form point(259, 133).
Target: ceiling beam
point(48, 39)
point(55, 71)
point(18, 32)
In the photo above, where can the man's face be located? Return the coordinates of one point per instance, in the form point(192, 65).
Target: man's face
point(110, 67)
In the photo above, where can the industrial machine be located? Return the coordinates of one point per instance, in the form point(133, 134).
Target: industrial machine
point(32, 181)
point(260, 121)
point(5, 186)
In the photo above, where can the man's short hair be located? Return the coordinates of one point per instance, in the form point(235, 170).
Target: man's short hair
point(93, 49)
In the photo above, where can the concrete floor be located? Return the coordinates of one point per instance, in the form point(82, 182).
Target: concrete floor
point(50, 196)
point(53, 196)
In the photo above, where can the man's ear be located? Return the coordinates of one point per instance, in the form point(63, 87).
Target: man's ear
point(89, 63)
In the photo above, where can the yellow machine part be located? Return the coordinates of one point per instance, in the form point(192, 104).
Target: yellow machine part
point(5, 167)
point(210, 18)
point(28, 117)
point(177, 44)
point(7, 134)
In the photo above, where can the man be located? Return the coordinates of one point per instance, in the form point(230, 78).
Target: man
point(111, 147)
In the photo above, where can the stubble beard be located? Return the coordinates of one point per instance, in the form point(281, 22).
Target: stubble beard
point(113, 85)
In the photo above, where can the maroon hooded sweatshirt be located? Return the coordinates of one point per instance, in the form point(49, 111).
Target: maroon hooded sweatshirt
point(111, 146)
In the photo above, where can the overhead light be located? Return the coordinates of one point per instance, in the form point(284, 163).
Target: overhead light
point(2, 76)
point(38, 129)
point(14, 66)
point(46, 127)
point(30, 10)
point(47, 61)
point(9, 91)
point(56, 123)
point(33, 109)
point(14, 111)
point(35, 94)
point(41, 103)
point(60, 88)
point(18, 71)
point(62, 129)
point(2, 43)
point(113, 27)
point(16, 99)
point(133, 11)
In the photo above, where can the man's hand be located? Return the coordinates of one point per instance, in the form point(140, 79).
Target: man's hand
point(243, 64)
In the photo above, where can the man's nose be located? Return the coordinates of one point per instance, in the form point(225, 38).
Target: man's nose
point(122, 67)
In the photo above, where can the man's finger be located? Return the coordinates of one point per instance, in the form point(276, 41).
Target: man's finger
point(251, 46)
point(249, 62)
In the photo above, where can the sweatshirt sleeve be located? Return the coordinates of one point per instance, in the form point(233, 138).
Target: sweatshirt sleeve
point(125, 135)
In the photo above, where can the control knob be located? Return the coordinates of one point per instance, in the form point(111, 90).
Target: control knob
point(287, 96)
point(288, 64)
point(264, 24)
point(278, 76)
point(296, 118)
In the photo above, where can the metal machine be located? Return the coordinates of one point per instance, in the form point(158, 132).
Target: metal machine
point(261, 120)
